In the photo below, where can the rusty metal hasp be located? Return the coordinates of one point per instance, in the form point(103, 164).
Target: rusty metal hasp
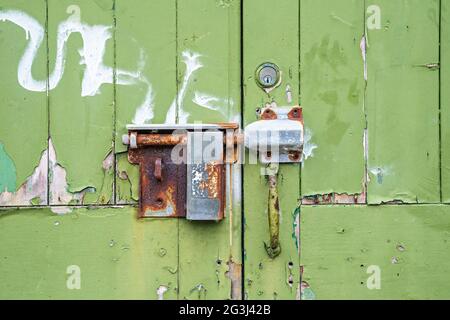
point(182, 168)
point(277, 138)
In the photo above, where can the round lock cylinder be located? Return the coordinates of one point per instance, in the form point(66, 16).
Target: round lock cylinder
point(267, 75)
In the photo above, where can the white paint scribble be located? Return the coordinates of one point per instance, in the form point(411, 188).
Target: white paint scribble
point(308, 146)
point(192, 62)
point(160, 292)
point(96, 73)
point(223, 106)
point(144, 113)
point(34, 33)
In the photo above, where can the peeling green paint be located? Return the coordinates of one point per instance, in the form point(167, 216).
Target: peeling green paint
point(22, 110)
point(403, 103)
point(306, 292)
point(7, 171)
point(127, 180)
point(81, 121)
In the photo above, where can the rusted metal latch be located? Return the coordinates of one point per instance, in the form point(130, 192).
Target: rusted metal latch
point(182, 168)
point(276, 138)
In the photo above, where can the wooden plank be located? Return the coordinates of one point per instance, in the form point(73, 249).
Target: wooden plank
point(332, 96)
point(267, 278)
point(81, 99)
point(408, 243)
point(23, 103)
point(118, 256)
point(145, 76)
point(209, 91)
point(445, 100)
point(403, 103)
point(149, 56)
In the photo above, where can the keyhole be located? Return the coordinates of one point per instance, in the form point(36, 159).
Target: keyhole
point(267, 75)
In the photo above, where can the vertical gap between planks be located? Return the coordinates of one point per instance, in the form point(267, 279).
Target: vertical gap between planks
point(114, 199)
point(300, 166)
point(176, 63)
point(241, 65)
point(440, 102)
point(299, 86)
point(366, 123)
point(176, 121)
point(47, 89)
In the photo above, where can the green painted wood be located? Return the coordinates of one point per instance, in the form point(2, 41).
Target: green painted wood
point(403, 103)
point(81, 115)
point(145, 97)
point(210, 253)
point(409, 243)
point(266, 278)
point(127, 180)
point(445, 100)
point(150, 58)
point(119, 257)
point(212, 92)
point(332, 96)
point(22, 110)
point(182, 58)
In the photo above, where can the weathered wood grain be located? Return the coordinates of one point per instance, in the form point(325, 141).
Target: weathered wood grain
point(409, 243)
point(266, 278)
point(332, 96)
point(403, 103)
point(210, 253)
point(81, 115)
point(119, 257)
point(23, 113)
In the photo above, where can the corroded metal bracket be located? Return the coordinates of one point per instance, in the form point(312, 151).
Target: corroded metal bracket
point(178, 177)
point(273, 211)
point(277, 138)
point(278, 135)
point(162, 182)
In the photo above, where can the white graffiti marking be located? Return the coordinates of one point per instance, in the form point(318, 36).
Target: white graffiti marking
point(192, 62)
point(96, 73)
point(207, 101)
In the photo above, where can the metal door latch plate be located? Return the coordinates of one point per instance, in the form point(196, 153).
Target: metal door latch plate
point(278, 136)
point(182, 168)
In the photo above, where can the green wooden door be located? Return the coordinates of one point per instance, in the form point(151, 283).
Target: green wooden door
point(364, 216)
point(74, 73)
